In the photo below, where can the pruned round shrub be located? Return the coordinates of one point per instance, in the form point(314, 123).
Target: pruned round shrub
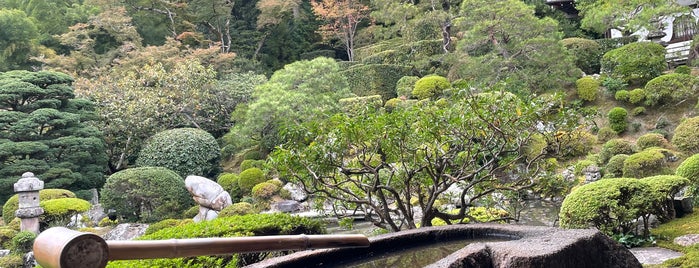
point(146, 194)
point(646, 163)
point(651, 140)
point(405, 85)
point(610, 205)
point(240, 208)
point(166, 223)
point(663, 189)
point(187, 151)
point(430, 86)
point(248, 163)
point(392, 104)
point(58, 211)
point(637, 95)
point(683, 69)
point(375, 79)
point(587, 88)
point(12, 204)
point(638, 111)
point(605, 134)
point(621, 95)
point(689, 168)
point(576, 143)
point(635, 63)
point(615, 166)
point(23, 242)
point(686, 136)
point(6, 235)
point(670, 88)
point(587, 53)
point(617, 119)
point(229, 182)
point(615, 147)
point(613, 84)
point(249, 178)
point(265, 190)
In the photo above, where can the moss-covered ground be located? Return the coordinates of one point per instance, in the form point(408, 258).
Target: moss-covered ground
point(667, 232)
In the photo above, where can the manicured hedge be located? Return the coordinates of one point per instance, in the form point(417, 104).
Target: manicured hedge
point(587, 88)
point(617, 119)
point(686, 136)
point(249, 178)
point(636, 63)
point(187, 151)
point(670, 89)
point(430, 86)
point(8, 210)
point(646, 163)
point(587, 53)
point(375, 79)
point(614, 147)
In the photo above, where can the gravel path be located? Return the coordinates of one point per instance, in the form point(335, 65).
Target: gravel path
point(654, 255)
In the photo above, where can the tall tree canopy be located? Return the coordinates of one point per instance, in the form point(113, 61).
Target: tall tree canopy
point(18, 39)
point(44, 130)
point(624, 15)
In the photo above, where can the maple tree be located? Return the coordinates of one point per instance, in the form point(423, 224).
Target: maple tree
point(342, 17)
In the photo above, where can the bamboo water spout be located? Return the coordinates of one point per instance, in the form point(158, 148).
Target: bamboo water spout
point(62, 247)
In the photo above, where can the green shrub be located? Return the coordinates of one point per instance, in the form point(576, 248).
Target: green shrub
point(375, 79)
point(104, 222)
point(12, 261)
point(689, 168)
point(621, 95)
point(166, 223)
point(430, 86)
point(615, 166)
point(605, 134)
point(638, 111)
point(359, 105)
point(574, 144)
point(587, 88)
point(23, 242)
point(253, 155)
point(11, 205)
point(637, 95)
point(187, 151)
point(686, 136)
point(229, 182)
point(582, 164)
point(535, 147)
point(670, 88)
point(247, 225)
point(190, 213)
point(663, 189)
point(610, 205)
point(617, 119)
point(59, 211)
point(249, 178)
point(6, 235)
point(240, 208)
point(587, 53)
point(683, 69)
point(635, 63)
point(249, 163)
point(615, 147)
point(146, 194)
point(405, 85)
point(646, 163)
point(265, 190)
point(651, 140)
point(613, 84)
point(392, 104)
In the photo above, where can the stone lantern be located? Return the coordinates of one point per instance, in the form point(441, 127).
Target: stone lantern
point(29, 210)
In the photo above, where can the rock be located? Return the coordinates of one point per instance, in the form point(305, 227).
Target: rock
point(453, 193)
point(208, 194)
point(95, 197)
point(297, 193)
point(591, 173)
point(29, 260)
point(126, 231)
point(96, 213)
point(4, 252)
point(687, 240)
point(286, 206)
point(683, 205)
point(569, 174)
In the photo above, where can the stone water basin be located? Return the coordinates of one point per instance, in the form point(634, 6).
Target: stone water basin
point(504, 246)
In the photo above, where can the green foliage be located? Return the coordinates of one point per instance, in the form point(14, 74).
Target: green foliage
point(45, 130)
point(247, 225)
point(12, 261)
point(622, 95)
point(614, 147)
point(686, 136)
point(663, 189)
point(575, 143)
point(631, 241)
point(6, 235)
point(689, 168)
point(23, 242)
point(187, 151)
point(247, 164)
point(240, 208)
point(587, 53)
point(264, 191)
point(613, 84)
point(146, 194)
point(105, 222)
point(405, 85)
point(375, 79)
point(12, 204)
point(190, 213)
point(361, 104)
point(638, 111)
point(615, 166)
point(610, 205)
point(166, 223)
point(587, 88)
point(18, 42)
point(651, 140)
point(637, 95)
point(430, 87)
point(683, 69)
point(670, 89)
point(605, 134)
point(617, 119)
point(229, 182)
point(249, 178)
point(635, 63)
point(59, 211)
point(646, 163)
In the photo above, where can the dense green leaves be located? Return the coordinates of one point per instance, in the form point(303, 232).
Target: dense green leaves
point(187, 151)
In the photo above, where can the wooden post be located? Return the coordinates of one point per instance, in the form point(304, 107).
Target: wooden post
point(62, 247)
